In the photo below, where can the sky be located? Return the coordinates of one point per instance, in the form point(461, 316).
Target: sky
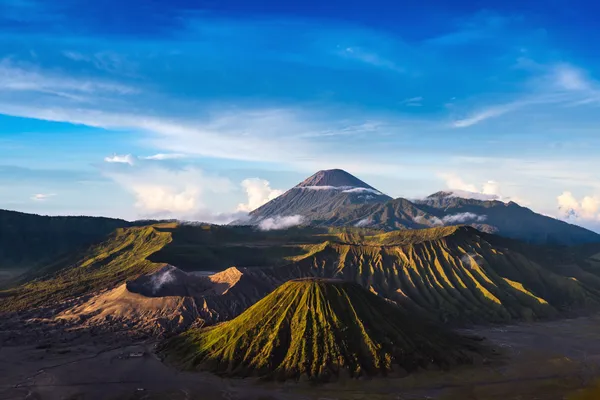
point(207, 109)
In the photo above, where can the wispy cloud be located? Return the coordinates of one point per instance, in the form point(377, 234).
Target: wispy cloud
point(413, 101)
point(164, 156)
point(122, 159)
point(484, 114)
point(42, 196)
point(21, 77)
point(558, 85)
point(371, 58)
point(103, 60)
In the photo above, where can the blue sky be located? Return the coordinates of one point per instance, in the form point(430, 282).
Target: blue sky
point(205, 109)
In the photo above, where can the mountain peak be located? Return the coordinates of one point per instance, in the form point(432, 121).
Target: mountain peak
point(335, 178)
point(440, 194)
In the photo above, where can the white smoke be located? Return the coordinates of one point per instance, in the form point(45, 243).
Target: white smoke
point(363, 222)
point(469, 259)
point(279, 222)
point(461, 218)
point(161, 278)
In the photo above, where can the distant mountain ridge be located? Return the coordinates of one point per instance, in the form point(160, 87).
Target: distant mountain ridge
point(29, 240)
point(336, 198)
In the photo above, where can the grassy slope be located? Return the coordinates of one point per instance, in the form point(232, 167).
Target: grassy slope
point(121, 257)
point(453, 274)
point(318, 329)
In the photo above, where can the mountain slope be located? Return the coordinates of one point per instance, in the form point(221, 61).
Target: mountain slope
point(318, 329)
point(122, 256)
point(506, 219)
point(29, 240)
point(318, 195)
point(453, 274)
point(510, 220)
point(457, 275)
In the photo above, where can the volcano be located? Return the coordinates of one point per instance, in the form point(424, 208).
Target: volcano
point(318, 196)
point(320, 329)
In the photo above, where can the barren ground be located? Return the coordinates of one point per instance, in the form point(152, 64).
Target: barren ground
point(542, 360)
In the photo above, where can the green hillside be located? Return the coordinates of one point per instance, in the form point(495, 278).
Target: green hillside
point(318, 329)
point(451, 274)
point(122, 256)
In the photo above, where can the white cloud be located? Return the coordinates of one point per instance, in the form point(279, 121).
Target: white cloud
point(164, 156)
point(431, 221)
point(588, 208)
point(489, 191)
point(456, 183)
point(482, 115)
point(462, 218)
point(153, 198)
point(121, 159)
point(259, 192)
point(42, 196)
point(362, 190)
point(279, 222)
point(168, 193)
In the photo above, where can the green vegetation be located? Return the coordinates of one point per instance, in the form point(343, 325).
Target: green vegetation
point(121, 257)
point(319, 329)
point(451, 274)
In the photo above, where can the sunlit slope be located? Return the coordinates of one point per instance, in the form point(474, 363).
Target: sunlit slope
point(452, 273)
point(121, 257)
point(318, 329)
